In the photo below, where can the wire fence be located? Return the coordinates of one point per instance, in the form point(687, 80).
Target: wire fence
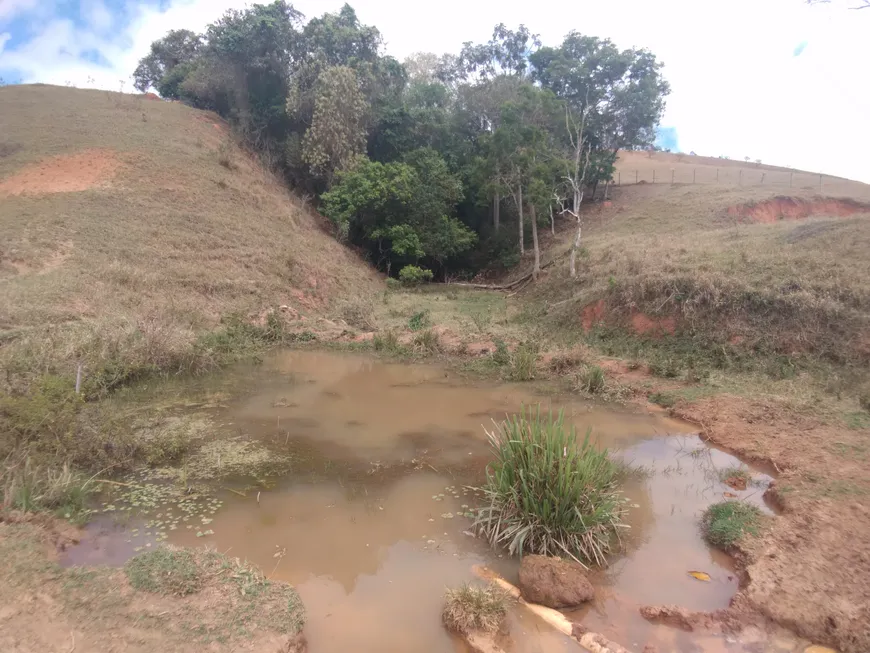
point(726, 176)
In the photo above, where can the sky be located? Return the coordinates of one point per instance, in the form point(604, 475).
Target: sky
point(775, 80)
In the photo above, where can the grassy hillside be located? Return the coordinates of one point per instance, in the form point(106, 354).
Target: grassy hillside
point(718, 274)
point(129, 227)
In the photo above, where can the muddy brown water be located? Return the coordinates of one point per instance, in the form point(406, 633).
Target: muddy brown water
point(370, 523)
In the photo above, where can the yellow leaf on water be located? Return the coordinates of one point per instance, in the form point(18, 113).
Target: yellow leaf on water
point(700, 575)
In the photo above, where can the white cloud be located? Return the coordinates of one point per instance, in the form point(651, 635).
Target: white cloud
point(9, 8)
point(95, 14)
point(737, 88)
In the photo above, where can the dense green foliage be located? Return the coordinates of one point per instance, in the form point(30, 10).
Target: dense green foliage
point(421, 163)
point(548, 493)
point(725, 523)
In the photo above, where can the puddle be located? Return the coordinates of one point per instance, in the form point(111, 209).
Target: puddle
point(370, 524)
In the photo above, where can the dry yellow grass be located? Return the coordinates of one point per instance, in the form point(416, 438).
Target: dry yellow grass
point(662, 167)
point(674, 251)
point(128, 226)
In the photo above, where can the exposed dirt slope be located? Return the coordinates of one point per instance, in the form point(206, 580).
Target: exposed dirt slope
point(121, 215)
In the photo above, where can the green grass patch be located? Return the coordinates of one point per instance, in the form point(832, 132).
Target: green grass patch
point(472, 608)
point(419, 321)
point(165, 571)
point(725, 523)
point(549, 493)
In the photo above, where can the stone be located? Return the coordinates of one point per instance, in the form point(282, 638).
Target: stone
point(554, 582)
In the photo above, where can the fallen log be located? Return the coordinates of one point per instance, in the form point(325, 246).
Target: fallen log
point(593, 642)
point(506, 286)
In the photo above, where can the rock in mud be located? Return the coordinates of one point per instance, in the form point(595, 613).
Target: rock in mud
point(553, 582)
point(294, 644)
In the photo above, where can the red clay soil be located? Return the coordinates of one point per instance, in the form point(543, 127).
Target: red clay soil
point(809, 571)
point(640, 323)
point(63, 174)
point(795, 208)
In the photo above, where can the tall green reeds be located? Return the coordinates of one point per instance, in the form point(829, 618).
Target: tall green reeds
point(550, 493)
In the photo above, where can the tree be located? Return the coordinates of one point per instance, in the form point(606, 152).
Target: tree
point(401, 211)
point(613, 99)
point(176, 48)
point(525, 153)
point(337, 133)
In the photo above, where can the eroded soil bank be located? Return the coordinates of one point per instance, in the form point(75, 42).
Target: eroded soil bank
point(366, 495)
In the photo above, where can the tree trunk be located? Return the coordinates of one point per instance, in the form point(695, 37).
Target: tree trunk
point(533, 214)
point(520, 220)
point(572, 264)
point(552, 221)
point(496, 218)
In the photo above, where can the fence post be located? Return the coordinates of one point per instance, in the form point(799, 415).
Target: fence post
point(654, 175)
point(717, 175)
point(619, 179)
point(672, 176)
point(694, 172)
point(635, 176)
point(820, 182)
point(791, 179)
point(762, 179)
point(740, 178)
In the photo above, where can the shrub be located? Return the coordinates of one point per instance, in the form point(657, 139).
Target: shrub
point(561, 363)
point(548, 493)
point(358, 313)
point(592, 380)
point(666, 367)
point(386, 342)
point(725, 523)
point(165, 570)
point(864, 399)
point(663, 399)
point(411, 275)
point(523, 362)
point(32, 488)
point(472, 608)
point(501, 356)
point(427, 342)
point(418, 321)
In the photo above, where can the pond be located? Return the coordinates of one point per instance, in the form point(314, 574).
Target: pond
point(369, 513)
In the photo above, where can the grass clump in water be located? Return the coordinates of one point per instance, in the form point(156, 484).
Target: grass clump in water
point(165, 570)
point(725, 523)
point(548, 493)
point(592, 380)
point(472, 608)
